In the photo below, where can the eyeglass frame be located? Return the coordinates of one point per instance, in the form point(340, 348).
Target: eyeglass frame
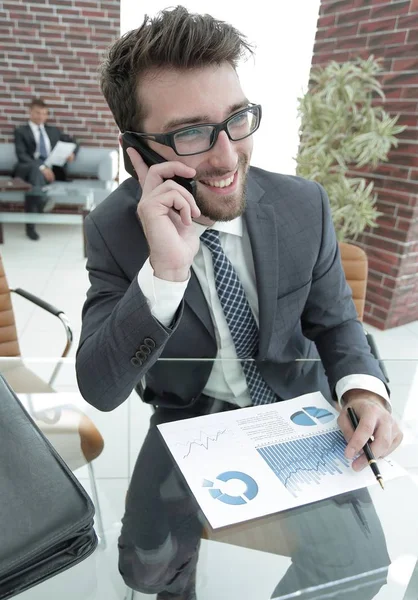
point(167, 139)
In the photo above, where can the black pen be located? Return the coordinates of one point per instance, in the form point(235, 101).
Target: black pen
point(366, 448)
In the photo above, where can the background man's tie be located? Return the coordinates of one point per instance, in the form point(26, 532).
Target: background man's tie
point(239, 317)
point(43, 153)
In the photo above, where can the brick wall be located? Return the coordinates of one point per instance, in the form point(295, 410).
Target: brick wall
point(52, 49)
point(348, 29)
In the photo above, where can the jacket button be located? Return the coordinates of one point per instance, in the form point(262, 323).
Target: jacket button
point(140, 355)
point(145, 349)
point(149, 342)
point(136, 362)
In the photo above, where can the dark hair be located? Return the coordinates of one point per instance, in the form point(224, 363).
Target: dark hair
point(173, 39)
point(37, 102)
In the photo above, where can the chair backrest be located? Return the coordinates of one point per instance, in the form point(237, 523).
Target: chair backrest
point(9, 345)
point(354, 261)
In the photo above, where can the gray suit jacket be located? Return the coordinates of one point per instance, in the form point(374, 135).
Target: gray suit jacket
point(305, 303)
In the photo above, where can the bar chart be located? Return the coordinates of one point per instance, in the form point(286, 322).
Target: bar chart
point(306, 461)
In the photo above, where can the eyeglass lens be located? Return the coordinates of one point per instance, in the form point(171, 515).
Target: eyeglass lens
point(199, 139)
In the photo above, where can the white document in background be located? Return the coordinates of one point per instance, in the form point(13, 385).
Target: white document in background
point(247, 463)
point(60, 153)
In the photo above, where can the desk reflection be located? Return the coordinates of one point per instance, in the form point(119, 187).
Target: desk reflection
point(337, 543)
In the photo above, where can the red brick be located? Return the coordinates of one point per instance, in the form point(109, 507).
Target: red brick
point(24, 22)
point(404, 50)
point(326, 21)
point(377, 299)
point(383, 267)
point(406, 148)
point(390, 38)
point(378, 289)
point(351, 43)
point(410, 93)
point(362, 14)
point(385, 221)
point(408, 22)
point(16, 14)
point(400, 172)
point(340, 31)
point(22, 31)
point(390, 210)
point(93, 13)
point(389, 282)
point(405, 64)
point(45, 10)
point(396, 8)
point(374, 322)
point(410, 133)
point(406, 212)
point(400, 79)
point(412, 36)
point(324, 46)
point(409, 120)
point(377, 25)
point(379, 313)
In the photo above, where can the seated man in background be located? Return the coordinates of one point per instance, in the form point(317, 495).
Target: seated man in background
point(34, 143)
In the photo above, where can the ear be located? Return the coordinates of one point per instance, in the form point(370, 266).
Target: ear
point(120, 139)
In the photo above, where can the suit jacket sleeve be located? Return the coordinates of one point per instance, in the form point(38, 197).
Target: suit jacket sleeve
point(22, 150)
point(117, 322)
point(330, 317)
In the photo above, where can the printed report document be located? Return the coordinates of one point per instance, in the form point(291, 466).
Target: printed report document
point(250, 462)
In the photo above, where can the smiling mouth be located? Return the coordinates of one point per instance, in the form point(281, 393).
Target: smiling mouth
point(220, 183)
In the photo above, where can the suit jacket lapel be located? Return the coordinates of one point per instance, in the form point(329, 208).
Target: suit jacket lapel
point(52, 133)
point(262, 231)
point(30, 137)
point(195, 299)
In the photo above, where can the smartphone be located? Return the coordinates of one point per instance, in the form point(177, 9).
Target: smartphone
point(150, 157)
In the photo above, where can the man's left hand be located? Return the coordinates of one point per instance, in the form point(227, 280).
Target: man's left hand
point(71, 158)
point(374, 420)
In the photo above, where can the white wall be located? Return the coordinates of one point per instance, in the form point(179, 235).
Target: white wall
point(284, 38)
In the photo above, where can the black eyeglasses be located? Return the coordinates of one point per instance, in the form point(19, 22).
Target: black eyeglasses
point(196, 139)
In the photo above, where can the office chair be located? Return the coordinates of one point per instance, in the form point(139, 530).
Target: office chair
point(354, 262)
point(71, 432)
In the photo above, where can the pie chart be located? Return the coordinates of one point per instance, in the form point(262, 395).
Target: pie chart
point(311, 416)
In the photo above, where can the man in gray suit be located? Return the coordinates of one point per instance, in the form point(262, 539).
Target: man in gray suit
point(33, 143)
point(250, 256)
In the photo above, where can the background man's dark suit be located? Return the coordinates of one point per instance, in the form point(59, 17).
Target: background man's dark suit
point(26, 147)
point(27, 167)
point(303, 297)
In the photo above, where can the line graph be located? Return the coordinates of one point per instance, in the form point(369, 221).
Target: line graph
point(202, 440)
point(306, 461)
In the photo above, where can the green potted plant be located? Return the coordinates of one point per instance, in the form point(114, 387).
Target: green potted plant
point(342, 129)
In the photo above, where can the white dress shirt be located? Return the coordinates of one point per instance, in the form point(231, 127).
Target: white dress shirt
point(36, 135)
point(227, 380)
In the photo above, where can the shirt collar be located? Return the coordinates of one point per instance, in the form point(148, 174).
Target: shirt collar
point(35, 126)
point(233, 227)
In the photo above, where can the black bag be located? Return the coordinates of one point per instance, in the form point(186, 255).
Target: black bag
point(46, 517)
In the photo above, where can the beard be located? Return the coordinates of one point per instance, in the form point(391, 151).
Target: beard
point(228, 207)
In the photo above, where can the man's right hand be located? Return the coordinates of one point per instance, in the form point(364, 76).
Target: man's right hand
point(48, 174)
point(166, 211)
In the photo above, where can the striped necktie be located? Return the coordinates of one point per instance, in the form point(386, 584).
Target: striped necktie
point(239, 317)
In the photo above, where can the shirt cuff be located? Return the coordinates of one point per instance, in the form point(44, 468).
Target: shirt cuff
point(363, 382)
point(163, 297)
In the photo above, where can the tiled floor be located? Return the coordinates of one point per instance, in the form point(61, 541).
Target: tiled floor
point(54, 268)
